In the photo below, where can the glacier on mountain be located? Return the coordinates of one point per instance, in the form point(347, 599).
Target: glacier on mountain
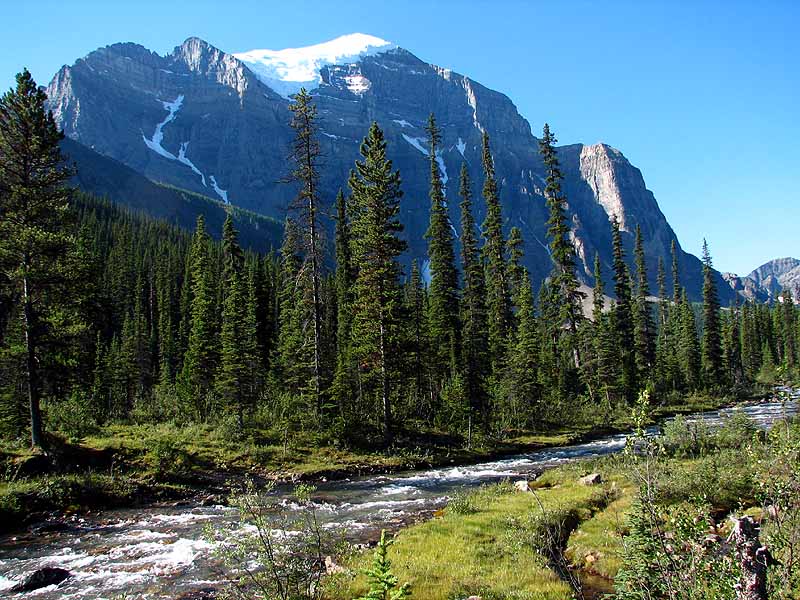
point(286, 71)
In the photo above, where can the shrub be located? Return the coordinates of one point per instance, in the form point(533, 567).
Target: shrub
point(74, 417)
point(737, 431)
point(283, 545)
point(462, 503)
point(167, 457)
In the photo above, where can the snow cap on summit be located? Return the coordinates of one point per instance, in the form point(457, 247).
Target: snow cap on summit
point(287, 70)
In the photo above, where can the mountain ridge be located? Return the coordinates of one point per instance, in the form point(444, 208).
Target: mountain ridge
point(211, 115)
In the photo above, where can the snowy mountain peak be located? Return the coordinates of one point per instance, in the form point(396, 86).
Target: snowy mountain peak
point(287, 70)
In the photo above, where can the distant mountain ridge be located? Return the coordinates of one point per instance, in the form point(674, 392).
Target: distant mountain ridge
point(202, 120)
point(766, 282)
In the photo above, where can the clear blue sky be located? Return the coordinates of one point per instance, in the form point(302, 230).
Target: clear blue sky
point(703, 97)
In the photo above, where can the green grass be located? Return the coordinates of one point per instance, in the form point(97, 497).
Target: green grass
point(491, 546)
point(594, 547)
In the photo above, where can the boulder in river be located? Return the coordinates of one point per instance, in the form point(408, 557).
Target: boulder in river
point(591, 479)
point(42, 578)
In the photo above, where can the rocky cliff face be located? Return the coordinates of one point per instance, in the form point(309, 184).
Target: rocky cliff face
point(203, 120)
point(767, 281)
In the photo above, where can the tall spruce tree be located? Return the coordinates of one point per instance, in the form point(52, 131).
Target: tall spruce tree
point(35, 242)
point(623, 315)
point(232, 382)
point(712, 328)
point(676, 280)
point(523, 385)
point(516, 272)
point(200, 361)
point(644, 327)
point(443, 288)
point(563, 281)
point(305, 156)
point(294, 360)
point(344, 377)
point(498, 301)
point(599, 291)
point(377, 299)
point(688, 345)
point(417, 343)
point(604, 370)
point(474, 331)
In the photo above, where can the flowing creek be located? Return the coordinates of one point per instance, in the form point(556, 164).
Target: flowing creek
point(161, 552)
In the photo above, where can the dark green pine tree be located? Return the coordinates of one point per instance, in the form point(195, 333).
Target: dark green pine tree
point(126, 372)
point(663, 301)
point(443, 287)
point(563, 281)
point(253, 350)
point(665, 347)
point(599, 290)
point(603, 371)
point(498, 301)
point(417, 341)
point(712, 327)
point(676, 280)
point(787, 315)
point(644, 327)
point(305, 156)
point(732, 345)
point(345, 375)
point(200, 361)
point(232, 382)
point(523, 386)
point(167, 343)
point(377, 298)
point(516, 272)
point(474, 333)
point(688, 345)
point(623, 316)
point(750, 342)
point(35, 240)
point(293, 362)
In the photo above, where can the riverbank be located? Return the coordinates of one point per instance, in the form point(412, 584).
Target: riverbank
point(564, 533)
point(134, 465)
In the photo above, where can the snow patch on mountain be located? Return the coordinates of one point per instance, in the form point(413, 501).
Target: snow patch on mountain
point(402, 123)
point(220, 192)
point(154, 143)
point(358, 84)
point(442, 169)
point(286, 71)
point(416, 142)
point(185, 160)
point(425, 272)
point(461, 145)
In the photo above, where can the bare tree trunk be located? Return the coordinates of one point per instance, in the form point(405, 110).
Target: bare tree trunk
point(37, 437)
point(753, 558)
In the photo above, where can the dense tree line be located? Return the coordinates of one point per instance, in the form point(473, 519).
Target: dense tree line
point(126, 318)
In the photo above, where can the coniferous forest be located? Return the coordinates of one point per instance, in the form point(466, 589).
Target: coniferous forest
point(117, 328)
point(116, 317)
